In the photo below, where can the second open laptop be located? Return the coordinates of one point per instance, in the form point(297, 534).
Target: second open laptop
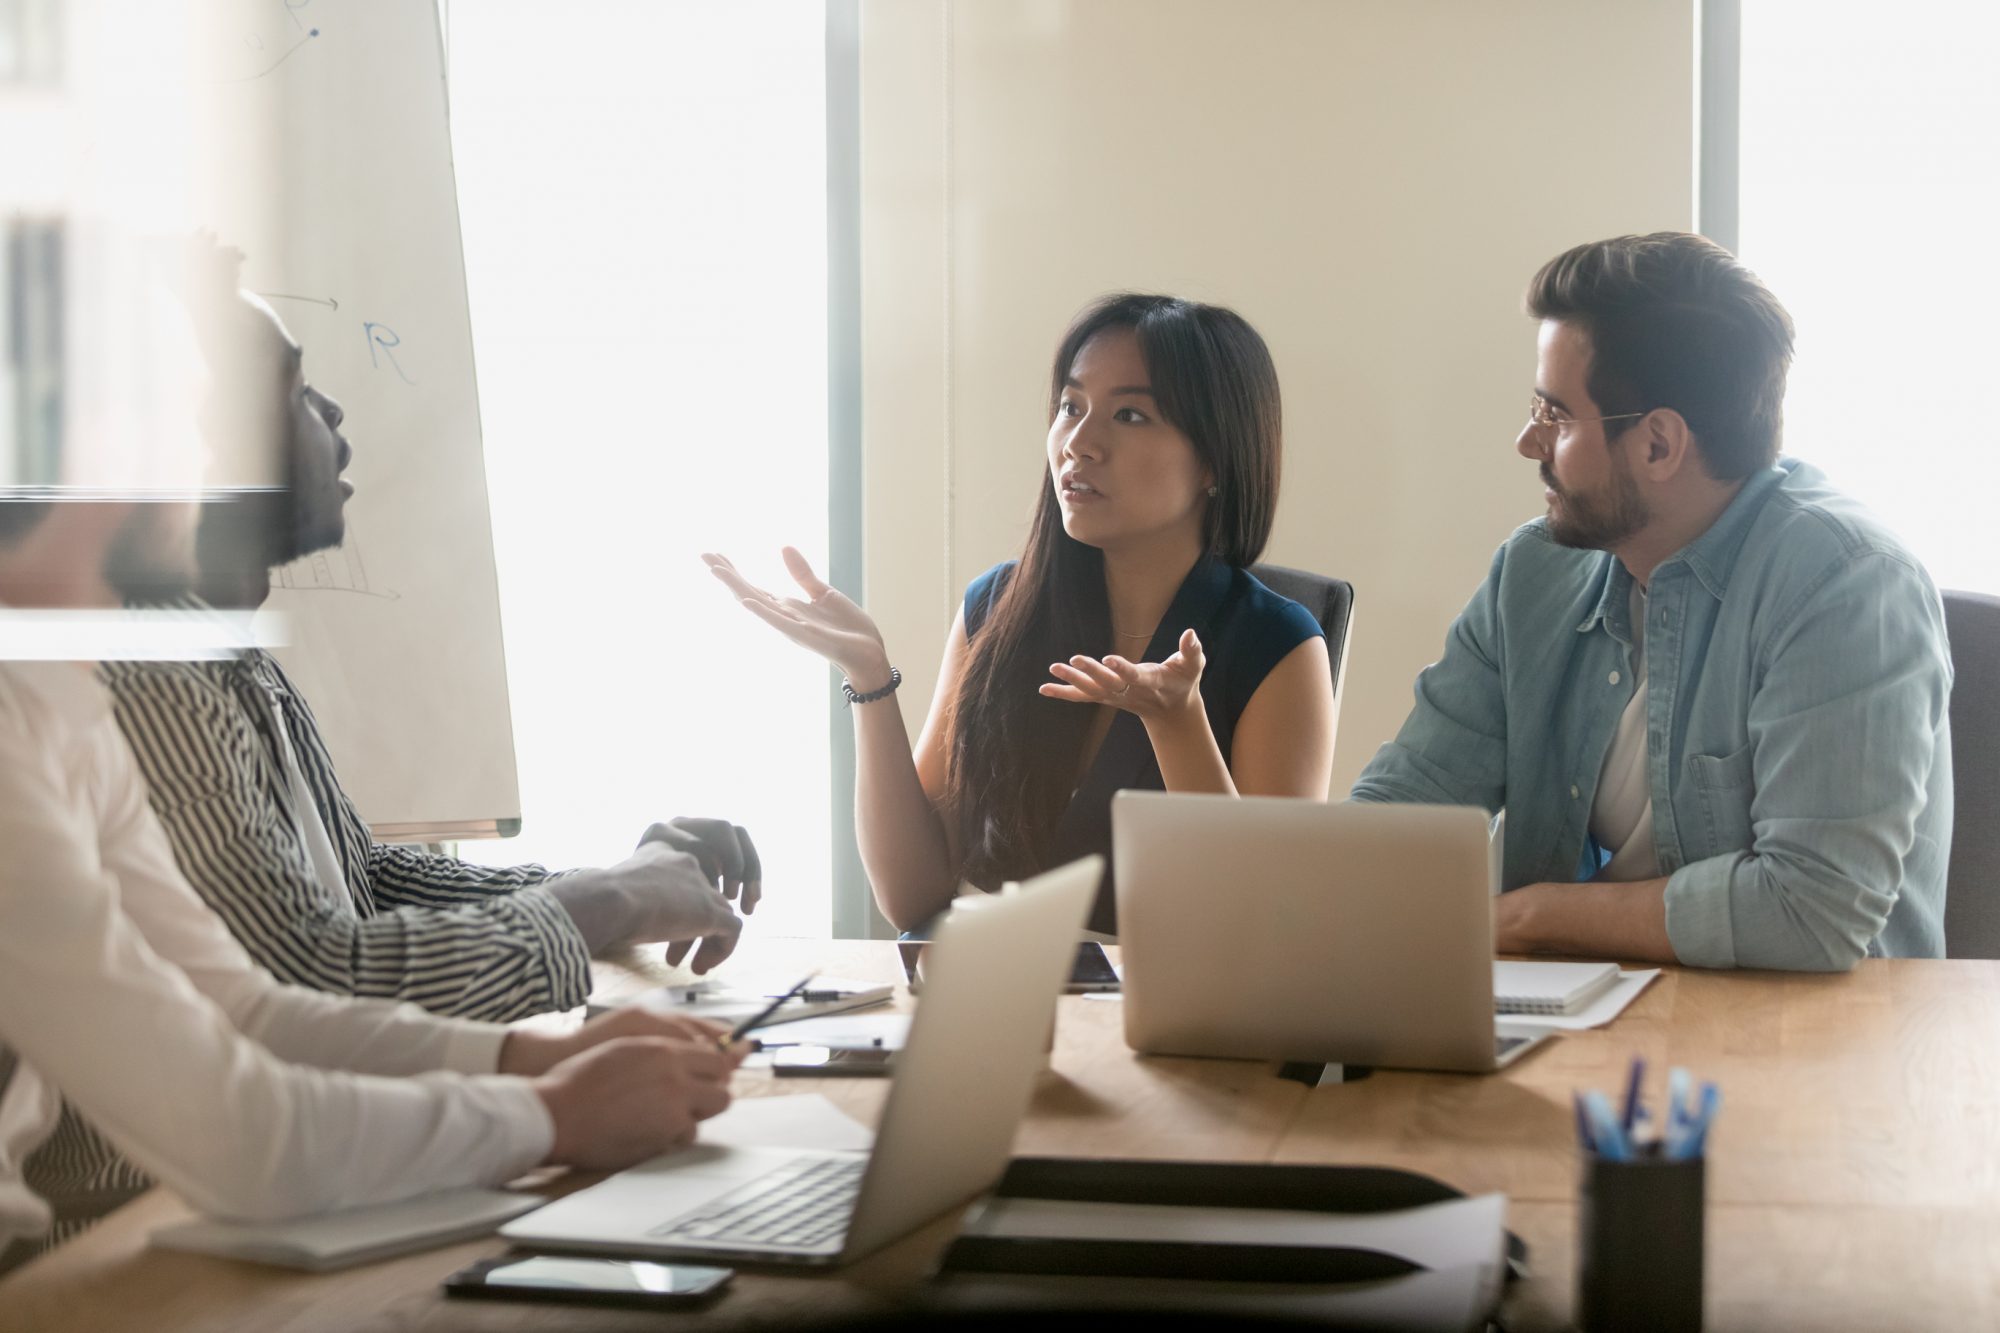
point(1297, 930)
point(962, 1082)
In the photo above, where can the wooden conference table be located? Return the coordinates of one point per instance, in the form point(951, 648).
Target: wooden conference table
point(1854, 1174)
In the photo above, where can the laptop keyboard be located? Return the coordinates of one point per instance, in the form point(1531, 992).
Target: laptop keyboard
point(801, 1204)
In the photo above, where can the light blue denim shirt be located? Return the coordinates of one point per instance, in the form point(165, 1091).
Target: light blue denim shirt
point(1798, 746)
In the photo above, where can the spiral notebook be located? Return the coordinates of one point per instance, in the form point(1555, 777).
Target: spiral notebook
point(1549, 988)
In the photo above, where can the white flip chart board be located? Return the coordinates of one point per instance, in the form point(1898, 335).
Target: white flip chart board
point(394, 638)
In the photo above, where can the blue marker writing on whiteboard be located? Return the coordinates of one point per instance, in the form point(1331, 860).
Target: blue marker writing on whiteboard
point(382, 343)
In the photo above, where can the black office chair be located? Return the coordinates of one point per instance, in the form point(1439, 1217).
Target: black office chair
point(1330, 600)
point(1972, 885)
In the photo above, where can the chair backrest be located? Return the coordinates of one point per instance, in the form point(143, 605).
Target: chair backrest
point(1330, 600)
point(1972, 886)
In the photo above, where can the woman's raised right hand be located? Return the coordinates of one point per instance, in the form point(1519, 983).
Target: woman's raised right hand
point(826, 621)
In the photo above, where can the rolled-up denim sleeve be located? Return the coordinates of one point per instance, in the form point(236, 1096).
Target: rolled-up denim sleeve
point(1844, 730)
point(1452, 749)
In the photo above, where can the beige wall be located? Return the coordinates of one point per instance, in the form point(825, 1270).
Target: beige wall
point(1370, 183)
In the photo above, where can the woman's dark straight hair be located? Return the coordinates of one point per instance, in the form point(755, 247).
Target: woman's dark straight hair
point(1012, 755)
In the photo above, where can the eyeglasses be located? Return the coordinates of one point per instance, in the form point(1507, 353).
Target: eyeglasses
point(1543, 416)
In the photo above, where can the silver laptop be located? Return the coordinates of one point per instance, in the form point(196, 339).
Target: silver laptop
point(1297, 930)
point(962, 1082)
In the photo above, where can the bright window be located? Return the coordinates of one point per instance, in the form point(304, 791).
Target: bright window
point(642, 189)
point(1869, 185)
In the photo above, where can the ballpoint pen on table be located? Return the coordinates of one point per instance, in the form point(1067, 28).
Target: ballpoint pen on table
point(743, 1029)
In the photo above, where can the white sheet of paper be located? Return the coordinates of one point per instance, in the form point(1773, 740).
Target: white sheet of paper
point(1595, 1014)
point(807, 1120)
point(889, 1031)
point(733, 999)
point(1439, 1235)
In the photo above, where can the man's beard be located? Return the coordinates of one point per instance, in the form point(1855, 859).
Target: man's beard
point(152, 557)
point(256, 531)
point(1597, 523)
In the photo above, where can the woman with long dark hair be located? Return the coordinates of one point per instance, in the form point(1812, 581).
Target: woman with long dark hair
point(1133, 598)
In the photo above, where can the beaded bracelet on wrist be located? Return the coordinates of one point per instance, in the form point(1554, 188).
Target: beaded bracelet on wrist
point(855, 696)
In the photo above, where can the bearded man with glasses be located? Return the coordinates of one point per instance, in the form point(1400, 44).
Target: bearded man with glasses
point(1708, 690)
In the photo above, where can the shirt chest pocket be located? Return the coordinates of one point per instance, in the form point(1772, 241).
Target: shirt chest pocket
point(1721, 789)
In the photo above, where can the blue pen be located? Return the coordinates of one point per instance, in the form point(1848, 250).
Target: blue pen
point(1582, 1124)
point(1604, 1128)
point(1711, 1102)
point(1644, 1138)
point(1680, 1092)
point(1626, 1121)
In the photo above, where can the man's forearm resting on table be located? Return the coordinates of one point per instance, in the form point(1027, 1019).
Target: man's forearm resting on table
point(1740, 910)
point(1622, 921)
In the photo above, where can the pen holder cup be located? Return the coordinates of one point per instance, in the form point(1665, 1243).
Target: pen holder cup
point(1639, 1228)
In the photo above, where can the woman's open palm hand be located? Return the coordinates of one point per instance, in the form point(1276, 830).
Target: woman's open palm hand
point(1150, 690)
point(825, 620)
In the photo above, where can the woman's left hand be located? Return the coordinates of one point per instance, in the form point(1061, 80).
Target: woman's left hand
point(1154, 691)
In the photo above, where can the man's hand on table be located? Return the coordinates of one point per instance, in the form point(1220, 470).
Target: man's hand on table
point(1599, 919)
point(677, 887)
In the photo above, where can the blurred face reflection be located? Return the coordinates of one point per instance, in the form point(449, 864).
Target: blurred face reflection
point(301, 425)
point(152, 555)
point(313, 454)
point(319, 453)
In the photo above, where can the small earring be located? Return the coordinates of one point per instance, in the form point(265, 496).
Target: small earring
point(1214, 490)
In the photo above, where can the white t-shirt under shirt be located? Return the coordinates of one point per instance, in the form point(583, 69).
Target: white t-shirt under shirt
point(121, 991)
point(1621, 816)
point(305, 810)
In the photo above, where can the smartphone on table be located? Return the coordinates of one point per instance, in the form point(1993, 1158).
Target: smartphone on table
point(583, 1281)
point(1089, 971)
point(832, 1062)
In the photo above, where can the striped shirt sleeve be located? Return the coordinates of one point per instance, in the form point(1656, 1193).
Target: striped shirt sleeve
point(226, 810)
point(397, 875)
point(406, 875)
